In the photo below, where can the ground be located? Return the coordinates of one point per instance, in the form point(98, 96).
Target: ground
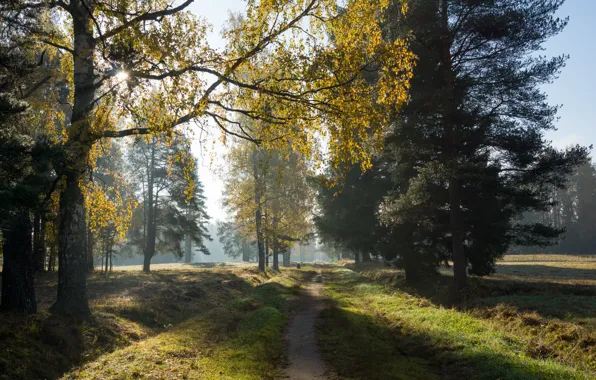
point(534, 319)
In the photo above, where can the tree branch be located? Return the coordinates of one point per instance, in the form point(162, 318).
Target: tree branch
point(146, 17)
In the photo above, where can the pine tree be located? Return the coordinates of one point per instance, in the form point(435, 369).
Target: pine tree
point(472, 134)
point(171, 195)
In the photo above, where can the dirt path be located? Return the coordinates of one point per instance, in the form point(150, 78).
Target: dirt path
point(303, 353)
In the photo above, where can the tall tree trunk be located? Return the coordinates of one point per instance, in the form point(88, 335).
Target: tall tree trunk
point(18, 292)
point(460, 273)
point(366, 257)
point(90, 248)
point(42, 245)
point(275, 256)
point(356, 257)
point(38, 249)
point(267, 252)
point(187, 249)
point(72, 269)
point(245, 252)
point(258, 213)
point(455, 214)
point(52, 259)
point(149, 251)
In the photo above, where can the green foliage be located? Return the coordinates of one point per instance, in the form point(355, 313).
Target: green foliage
point(472, 135)
point(166, 166)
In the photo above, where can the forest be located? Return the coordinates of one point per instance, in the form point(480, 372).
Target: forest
point(394, 205)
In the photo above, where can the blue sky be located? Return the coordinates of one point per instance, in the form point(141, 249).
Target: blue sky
point(576, 86)
point(574, 89)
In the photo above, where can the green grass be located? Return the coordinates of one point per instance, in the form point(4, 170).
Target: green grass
point(421, 337)
point(240, 339)
point(223, 322)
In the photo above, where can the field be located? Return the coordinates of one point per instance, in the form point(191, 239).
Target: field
point(534, 319)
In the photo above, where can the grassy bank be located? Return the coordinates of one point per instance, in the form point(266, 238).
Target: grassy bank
point(376, 327)
point(220, 322)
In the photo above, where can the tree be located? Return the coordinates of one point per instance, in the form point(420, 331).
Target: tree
point(268, 193)
point(348, 209)
point(472, 135)
point(26, 158)
point(142, 52)
point(109, 204)
point(173, 204)
point(234, 243)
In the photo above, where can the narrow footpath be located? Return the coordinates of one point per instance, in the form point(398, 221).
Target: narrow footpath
point(303, 352)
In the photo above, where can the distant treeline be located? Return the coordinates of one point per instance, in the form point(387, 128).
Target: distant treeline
point(574, 210)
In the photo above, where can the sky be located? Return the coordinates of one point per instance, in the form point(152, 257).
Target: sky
point(574, 90)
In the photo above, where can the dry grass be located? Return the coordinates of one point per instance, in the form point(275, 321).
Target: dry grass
point(558, 269)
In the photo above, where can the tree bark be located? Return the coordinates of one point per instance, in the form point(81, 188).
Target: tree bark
point(357, 257)
point(366, 257)
point(267, 252)
point(455, 214)
point(72, 262)
point(258, 213)
point(18, 292)
point(187, 249)
point(149, 251)
point(275, 256)
point(90, 248)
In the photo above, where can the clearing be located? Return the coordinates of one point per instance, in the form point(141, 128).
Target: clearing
point(534, 319)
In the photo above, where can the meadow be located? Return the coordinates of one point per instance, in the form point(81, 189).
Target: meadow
point(535, 318)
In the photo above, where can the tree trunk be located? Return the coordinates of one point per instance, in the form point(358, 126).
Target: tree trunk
point(455, 214)
point(149, 251)
point(357, 257)
point(90, 248)
point(457, 236)
point(18, 292)
point(258, 213)
point(275, 256)
point(72, 257)
point(187, 249)
point(38, 248)
point(267, 252)
point(245, 252)
point(42, 245)
point(366, 257)
point(72, 262)
point(52, 259)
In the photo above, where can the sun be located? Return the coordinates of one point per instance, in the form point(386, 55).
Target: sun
point(122, 76)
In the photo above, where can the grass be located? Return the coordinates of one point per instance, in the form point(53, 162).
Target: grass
point(183, 322)
point(377, 327)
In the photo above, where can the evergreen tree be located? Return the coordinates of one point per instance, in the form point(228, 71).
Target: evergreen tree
point(171, 195)
point(348, 210)
point(472, 135)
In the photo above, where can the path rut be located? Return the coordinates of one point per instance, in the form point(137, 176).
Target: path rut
point(305, 361)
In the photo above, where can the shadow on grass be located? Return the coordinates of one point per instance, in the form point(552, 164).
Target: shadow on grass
point(359, 342)
point(530, 269)
point(127, 307)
